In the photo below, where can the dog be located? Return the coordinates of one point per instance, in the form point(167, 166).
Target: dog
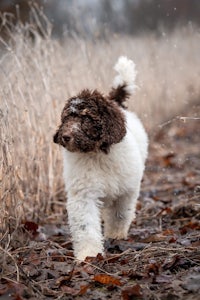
point(105, 147)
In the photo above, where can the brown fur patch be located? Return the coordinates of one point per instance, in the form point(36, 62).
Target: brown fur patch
point(119, 95)
point(90, 122)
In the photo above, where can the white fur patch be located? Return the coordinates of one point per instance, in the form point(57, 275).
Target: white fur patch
point(75, 127)
point(74, 103)
point(126, 74)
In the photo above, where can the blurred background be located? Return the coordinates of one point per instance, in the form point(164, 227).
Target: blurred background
point(97, 17)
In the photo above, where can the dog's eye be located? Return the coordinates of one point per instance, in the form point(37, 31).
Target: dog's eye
point(73, 114)
point(87, 119)
point(67, 116)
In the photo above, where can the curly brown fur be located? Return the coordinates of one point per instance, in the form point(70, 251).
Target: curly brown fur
point(90, 122)
point(119, 95)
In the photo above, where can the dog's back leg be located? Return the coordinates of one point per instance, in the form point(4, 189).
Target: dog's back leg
point(118, 217)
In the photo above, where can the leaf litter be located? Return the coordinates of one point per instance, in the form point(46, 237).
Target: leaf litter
point(159, 260)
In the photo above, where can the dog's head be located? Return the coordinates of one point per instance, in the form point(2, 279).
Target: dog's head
point(89, 123)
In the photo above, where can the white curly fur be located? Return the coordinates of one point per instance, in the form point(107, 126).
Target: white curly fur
point(126, 74)
point(103, 185)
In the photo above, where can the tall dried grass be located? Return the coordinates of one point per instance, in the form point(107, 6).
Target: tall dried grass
point(38, 75)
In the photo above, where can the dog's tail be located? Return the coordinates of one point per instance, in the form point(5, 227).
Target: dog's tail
point(124, 82)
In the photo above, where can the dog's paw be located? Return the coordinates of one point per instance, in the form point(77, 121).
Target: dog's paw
point(88, 252)
point(117, 235)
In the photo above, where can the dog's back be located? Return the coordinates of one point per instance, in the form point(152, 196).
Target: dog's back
point(138, 132)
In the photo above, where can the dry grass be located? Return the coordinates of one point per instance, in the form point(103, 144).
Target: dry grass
point(36, 79)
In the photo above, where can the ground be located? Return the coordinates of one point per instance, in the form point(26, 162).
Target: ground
point(160, 259)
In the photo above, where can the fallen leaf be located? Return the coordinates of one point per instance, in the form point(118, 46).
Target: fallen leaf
point(172, 239)
point(50, 292)
point(107, 279)
point(153, 269)
point(55, 256)
point(189, 226)
point(69, 290)
point(133, 274)
point(13, 289)
point(168, 232)
point(155, 238)
point(34, 258)
point(64, 279)
point(83, 289)
point(32, 227)
point(3, 289)
point(89, 269)
point(132, 292)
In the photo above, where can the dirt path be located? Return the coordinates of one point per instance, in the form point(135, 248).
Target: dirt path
point(161, 258)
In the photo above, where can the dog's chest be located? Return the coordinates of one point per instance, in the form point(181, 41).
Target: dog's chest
point(111, 175)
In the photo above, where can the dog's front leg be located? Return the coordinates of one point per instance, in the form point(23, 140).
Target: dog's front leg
point(85, 224)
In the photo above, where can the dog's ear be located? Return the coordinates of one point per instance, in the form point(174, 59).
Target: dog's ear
point(114, 126)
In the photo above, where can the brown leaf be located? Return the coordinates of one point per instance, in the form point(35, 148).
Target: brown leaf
point(74, 292)
point(107, 279)
point(32, 227)
point(155, 238)
point(168, 232)
point(132, 292)
point(133, 274)
point(3, 289)
point(69, 290)
point(13, 288)
point(55, 256)
point(89, 269)
point(189, 226)
point(172, 239)
point(153, 269)
point(63, 279)
point(83, 289)
point(34, 258)
point(50, 292)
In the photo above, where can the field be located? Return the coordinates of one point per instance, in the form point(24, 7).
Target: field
point(37, 76)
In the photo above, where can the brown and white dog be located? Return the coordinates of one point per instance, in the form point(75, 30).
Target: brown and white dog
point(104, 151)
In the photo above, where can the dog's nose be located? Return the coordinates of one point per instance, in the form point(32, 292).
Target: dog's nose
point(66, 138)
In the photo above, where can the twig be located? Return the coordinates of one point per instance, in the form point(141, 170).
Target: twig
point(16, 266)
point(184, 119)
point(32, 282)
point(188, 118)
point(120, 254)
point(9, 279)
